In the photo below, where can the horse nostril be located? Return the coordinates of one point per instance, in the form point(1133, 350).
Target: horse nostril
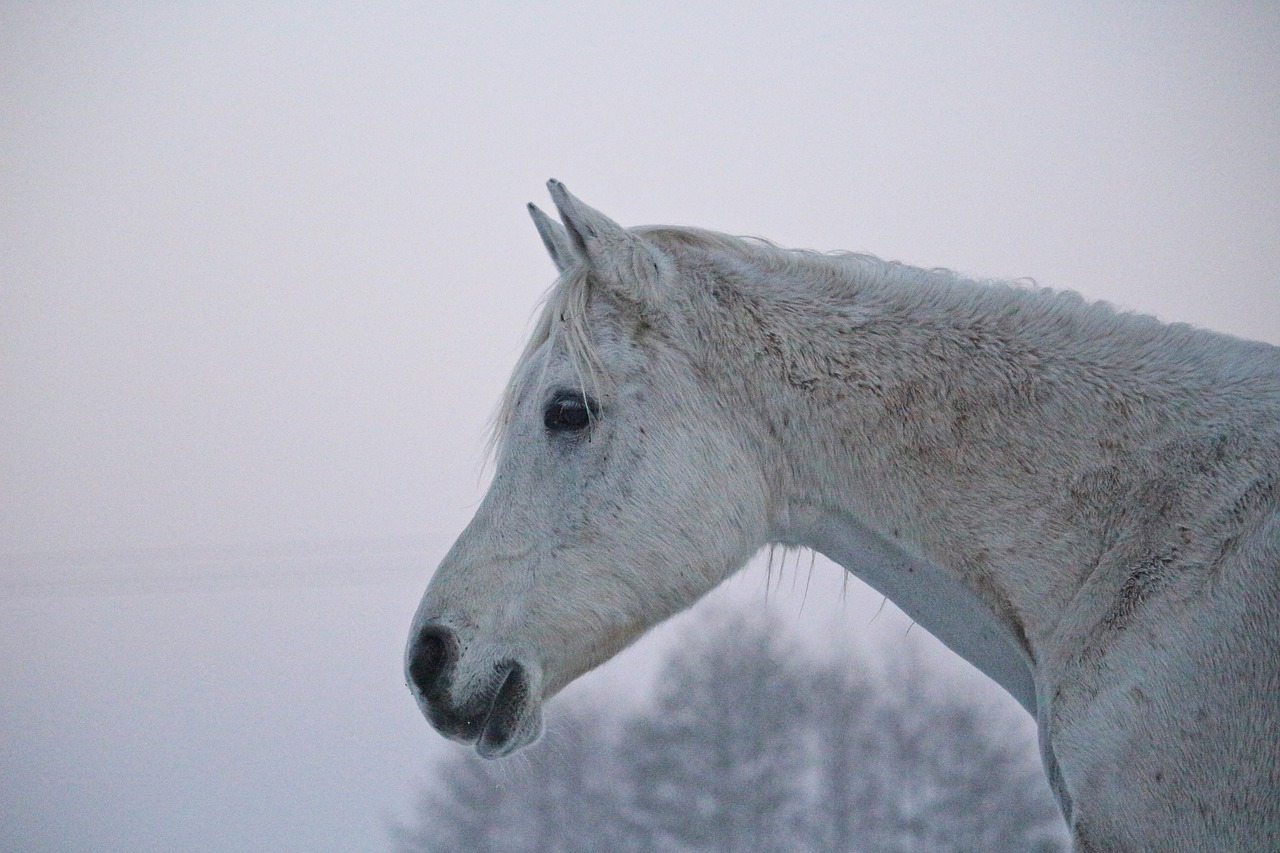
point(433, 653)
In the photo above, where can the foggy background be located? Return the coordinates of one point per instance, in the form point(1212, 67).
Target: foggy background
point(264, 269)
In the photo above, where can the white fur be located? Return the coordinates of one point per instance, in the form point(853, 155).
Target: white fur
point(1083, 503)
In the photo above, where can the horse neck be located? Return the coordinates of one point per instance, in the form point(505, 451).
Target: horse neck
point(924, 417)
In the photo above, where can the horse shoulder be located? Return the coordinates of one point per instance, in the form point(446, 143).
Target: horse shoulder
point(1167, 670)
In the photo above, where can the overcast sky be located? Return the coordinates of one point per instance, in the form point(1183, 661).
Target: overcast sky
point(264, 268)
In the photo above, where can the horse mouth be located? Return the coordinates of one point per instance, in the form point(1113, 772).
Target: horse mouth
point(498, 719)
point(500, 733)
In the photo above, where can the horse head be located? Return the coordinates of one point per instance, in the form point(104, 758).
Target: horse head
point(624, 490)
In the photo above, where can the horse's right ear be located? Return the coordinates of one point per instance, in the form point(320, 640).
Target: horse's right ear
point(620, 261)
point(555, 238)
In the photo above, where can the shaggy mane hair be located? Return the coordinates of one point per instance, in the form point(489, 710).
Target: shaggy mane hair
point(845, 277)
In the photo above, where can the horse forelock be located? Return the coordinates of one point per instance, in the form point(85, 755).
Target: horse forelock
point(562, 318)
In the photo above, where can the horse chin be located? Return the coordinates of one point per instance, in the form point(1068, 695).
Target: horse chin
point(514, 719)
point(501, 732)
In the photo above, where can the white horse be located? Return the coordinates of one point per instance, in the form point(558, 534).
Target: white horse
point(1083, 503)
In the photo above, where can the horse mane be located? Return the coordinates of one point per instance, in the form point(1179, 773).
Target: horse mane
point(845, 276)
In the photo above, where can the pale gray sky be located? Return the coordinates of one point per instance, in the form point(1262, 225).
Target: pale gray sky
point(263, 269)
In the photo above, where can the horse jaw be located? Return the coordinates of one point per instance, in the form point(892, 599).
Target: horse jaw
point(500, 631)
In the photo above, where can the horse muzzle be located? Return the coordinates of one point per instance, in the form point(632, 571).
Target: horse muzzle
point(495, 709)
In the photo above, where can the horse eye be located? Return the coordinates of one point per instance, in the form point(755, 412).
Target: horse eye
point(568, 412)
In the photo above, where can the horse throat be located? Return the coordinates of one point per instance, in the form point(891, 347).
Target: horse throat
point(936, 599)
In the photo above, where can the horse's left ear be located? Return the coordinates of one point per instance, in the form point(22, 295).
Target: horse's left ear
point(621, 262)
point(555, 238)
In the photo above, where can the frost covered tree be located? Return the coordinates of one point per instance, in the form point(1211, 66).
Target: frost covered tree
point(849, 796)
point(557, 797)
point(718, 763)
point(954, 775)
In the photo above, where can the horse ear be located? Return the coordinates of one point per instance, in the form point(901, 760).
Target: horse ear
point(622, 262)
point(555, 238)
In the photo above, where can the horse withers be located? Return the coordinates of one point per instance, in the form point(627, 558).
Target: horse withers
point(1081, 502)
